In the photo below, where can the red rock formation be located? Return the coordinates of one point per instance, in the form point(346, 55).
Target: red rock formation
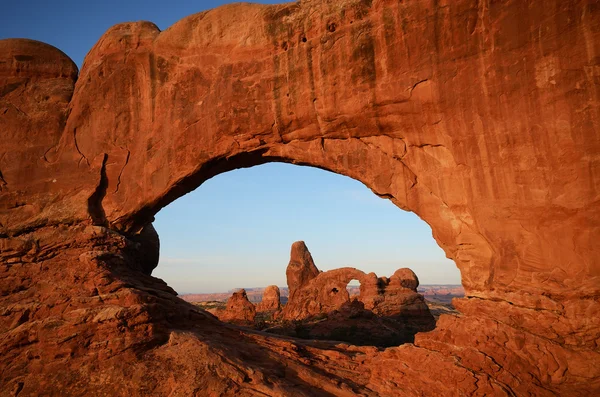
point(390, 312)
point(397, 296)
point(271, 300)
point(322, 294)
point(326, 293)
point(301, 268)
point(481, 117)
point(404, 279)
point(238, 310)
point(354, 324)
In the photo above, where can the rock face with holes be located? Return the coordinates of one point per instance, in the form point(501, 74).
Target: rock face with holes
point(325, 292)
point(481, 117)
point(238, 310)
point(271, 300)
point(386, 312)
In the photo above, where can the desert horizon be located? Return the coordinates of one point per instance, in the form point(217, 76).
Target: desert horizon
point(344, 304)
point(425, 289)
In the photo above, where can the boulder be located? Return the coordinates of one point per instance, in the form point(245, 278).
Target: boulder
point(404, 278)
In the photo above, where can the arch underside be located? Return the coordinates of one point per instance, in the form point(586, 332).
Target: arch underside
point(457, 112)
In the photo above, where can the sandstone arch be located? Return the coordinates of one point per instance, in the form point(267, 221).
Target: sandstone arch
point(458, 112)
point(352, 284)
point(326, 293)
point(314, 293)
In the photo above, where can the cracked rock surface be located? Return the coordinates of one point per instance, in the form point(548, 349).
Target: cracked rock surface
point(481, 117)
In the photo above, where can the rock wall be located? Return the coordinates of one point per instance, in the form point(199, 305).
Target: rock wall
point(481, 117)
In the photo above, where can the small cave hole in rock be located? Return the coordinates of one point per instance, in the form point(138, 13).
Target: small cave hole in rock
point(255, 246)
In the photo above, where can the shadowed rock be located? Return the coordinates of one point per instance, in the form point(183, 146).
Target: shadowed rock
point(149, 248)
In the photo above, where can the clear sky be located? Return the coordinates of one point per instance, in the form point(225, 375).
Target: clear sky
point(237, 228)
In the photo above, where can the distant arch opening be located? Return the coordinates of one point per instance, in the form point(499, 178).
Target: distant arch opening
point(235, 231)
point(353, 288)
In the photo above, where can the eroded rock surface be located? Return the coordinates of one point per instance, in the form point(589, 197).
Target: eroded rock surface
point(481, 117)
point(238, 309)
point(324, 292)
point(271, 300)
point(301, 268)
point(392, 305)
point(397, 296)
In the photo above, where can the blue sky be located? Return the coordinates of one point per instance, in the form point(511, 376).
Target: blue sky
point(237, 228)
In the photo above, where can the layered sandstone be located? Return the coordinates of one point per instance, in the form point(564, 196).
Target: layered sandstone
point(480, 117)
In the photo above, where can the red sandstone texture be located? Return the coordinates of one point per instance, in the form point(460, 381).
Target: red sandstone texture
point(300, 270)
point(481, 117)
point(238, 310)
point(386, 312)
point(313, 292)
point(271, 300)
